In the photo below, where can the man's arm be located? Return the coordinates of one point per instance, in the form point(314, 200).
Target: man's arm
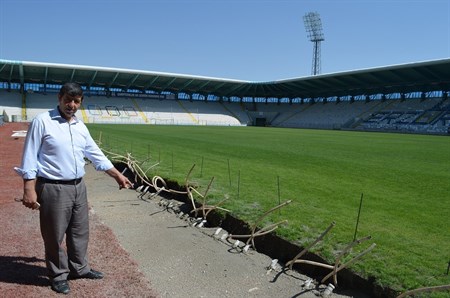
point(120, 178)
point(29, 194)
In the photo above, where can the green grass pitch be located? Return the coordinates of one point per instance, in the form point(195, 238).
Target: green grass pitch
point(404, 180)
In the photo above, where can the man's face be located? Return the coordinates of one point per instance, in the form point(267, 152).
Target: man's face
point(69, 105)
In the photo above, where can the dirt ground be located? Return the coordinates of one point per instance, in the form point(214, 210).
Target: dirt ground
point(144, 248)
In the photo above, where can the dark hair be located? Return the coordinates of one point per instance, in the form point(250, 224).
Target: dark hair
point(71, 89)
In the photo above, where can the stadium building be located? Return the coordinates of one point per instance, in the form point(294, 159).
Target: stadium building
point(409, 98)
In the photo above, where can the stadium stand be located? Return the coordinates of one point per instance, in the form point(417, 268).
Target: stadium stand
point(416, 115)
point(330, 115)
point(38, 103)
point(211, 113)
point(409, 98)
point(101, 109)
point(11, 106)
point(413, 115)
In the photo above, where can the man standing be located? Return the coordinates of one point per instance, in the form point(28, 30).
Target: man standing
point(52, 170)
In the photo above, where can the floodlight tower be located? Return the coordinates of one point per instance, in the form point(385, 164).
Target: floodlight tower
point(313, 26)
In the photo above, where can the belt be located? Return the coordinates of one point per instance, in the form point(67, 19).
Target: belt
point(72, 182)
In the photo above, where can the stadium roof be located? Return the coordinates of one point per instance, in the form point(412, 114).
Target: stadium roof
point(424, 76)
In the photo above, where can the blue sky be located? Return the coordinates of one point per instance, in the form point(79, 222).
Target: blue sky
point(254, 40)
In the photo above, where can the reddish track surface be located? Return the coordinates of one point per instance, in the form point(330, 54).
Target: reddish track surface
point(22, 266)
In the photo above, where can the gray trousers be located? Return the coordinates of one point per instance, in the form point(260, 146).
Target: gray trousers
point(64, 212)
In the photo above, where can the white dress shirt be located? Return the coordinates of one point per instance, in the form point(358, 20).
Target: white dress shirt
point(55, 149)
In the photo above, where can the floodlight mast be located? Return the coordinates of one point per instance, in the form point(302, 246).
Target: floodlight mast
point(313, 26)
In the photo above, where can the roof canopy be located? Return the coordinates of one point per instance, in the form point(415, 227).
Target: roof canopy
point(405, 78)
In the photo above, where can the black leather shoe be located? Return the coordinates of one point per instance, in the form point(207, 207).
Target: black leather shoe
point(61, 286)
point(92, 275)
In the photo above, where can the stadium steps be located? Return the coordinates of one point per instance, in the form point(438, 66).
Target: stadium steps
point(293, 114)
point(24, 106)
point(84, 114)
point(364, 116)
point(188, 112)
point(141, 113)
point(230, 111)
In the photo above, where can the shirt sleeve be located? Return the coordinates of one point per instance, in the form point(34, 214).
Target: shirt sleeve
point(96, 156)
point(33, 140)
